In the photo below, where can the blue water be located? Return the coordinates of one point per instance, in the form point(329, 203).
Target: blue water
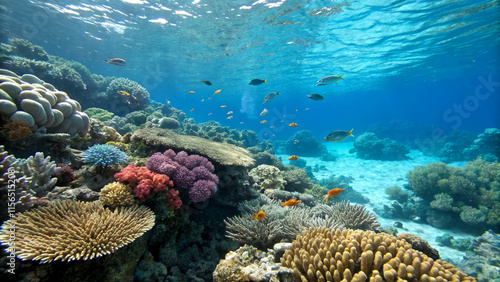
point(401, 60)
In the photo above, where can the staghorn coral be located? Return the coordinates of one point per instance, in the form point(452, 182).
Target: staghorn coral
point(104, 155)
point(40, 171)
point(116, 194)
point(323, 254)
point(74, 230)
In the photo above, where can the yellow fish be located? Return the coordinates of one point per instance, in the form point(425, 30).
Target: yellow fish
point(191, 92)
point(293, 124)
point(230, 112)
point(259, 216)
point(264, 121)
point(229, 117)
point(202, 100)
point(296, 141)
point(124, 93)
point(293, 158)
point(217, 91)
point(223, 106)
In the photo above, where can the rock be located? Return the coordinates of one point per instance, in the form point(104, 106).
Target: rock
point(420, 244)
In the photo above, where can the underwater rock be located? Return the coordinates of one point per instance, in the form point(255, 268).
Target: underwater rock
point(420, 244)
point(222, 153)
point(484, 260)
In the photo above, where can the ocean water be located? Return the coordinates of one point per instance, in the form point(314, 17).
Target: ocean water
point(435, 63)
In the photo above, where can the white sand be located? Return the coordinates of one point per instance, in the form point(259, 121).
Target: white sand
point(372, 177)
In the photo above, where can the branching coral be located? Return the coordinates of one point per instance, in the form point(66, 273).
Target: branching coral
point(104, 155)
point(116, 194)
point(322, 254)
point(74, 230)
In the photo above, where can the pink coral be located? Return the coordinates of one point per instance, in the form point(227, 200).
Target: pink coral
point(173, 200)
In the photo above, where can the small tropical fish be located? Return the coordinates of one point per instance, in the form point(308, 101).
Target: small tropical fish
point(217, 91)
point(202, 100)
point(269, 97)
point(241, 122)
point(209, 114)
point(192, 110)
point(191, 92)
point(296, 110)
point(293, 158)
point(230, 112)
point(264, 121)
point(329, 80)
point(259, 216)
point(272, 126)
point(229, 117)
point(338, 135)
point(315, 97)
point(334, 192)
point(206, 82)
point(295, 141)
point(223, 106)
point(116, 62)
point(124, 93)
point(168, 102)
point(291, 203)
point(293, 124)
point(264, 111)
point(307, 109)
point(257, 81)
point(209, 98)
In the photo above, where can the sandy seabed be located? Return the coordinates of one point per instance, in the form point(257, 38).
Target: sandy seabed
point(372, 177)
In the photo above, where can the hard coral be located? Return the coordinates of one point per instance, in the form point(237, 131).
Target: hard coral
point(104, 155)
point(322, 254)
point(116, 194)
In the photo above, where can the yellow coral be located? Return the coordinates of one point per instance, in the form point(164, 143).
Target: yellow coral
point(120, 145)
point(322, 254)
point(116, 194)
point(73, 230)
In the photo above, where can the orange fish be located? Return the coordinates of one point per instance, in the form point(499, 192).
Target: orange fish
point(202, 100)
point(223, 106)
point(124, 93)
point(334, 192)
point(217, 91)
point(264, 121)
point(291, 203)
point(168, 102)
point(259, 216)
point(293, 158)
point(116, 62)
point(191, 92)
point(192, 110)
point(295, 141)
point(293, 124)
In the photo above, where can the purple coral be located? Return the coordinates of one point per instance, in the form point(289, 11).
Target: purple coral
point(191, 172)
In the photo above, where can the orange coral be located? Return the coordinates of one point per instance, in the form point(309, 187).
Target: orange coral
point(16, 130)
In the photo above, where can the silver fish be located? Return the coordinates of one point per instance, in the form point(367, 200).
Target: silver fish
point(329, 80)
point(269, 97)
point(316, 97)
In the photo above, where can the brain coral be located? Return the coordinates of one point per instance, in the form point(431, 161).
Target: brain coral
point(29, 99)
point(73, 230)
point(322, 254)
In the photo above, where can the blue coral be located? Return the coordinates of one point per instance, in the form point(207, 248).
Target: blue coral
point(104, 155)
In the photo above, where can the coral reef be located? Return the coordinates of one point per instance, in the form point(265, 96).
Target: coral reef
point(296, 179)
point(267, 177)
point(322, 254)
point(99, 114)
point(116, 194)
point(486, 145)
point(398, 194)
point(34, 102)
point(249, 264)
point(24, 48)
point(307, 145)
point(222, 153)
point(73, 230)
point(16, 130)
point(469, 194)
point(212, 130)
point(369, 146)
point(191, 172)
point(342, 182)
point(483, 261)
point(40, 171)
point(123, 104)
point(104, 155)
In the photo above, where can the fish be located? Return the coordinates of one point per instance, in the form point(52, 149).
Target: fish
point(293, 158)
point(229, 117)
point(295, 141)
point(191, 92)
point(291, 203)
point(269, 97)
point(264, 121)
point(124, 93)
point(206, 82)
point(338, 135)
point(230, 112)
point(329, 80)
point(272, 126)
point(259, 216)
point(209, 98)
point(293, 124)
point(223, 106)
point(209, 114)
point(202, 100)
point(257, 81)
point(241, 122)
point(168, 102)
point(116, 62)
point(315, 97)
point(217, 91)
point(192, 110)
point(264, 111)
point(334, 192)
point(307, 109)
